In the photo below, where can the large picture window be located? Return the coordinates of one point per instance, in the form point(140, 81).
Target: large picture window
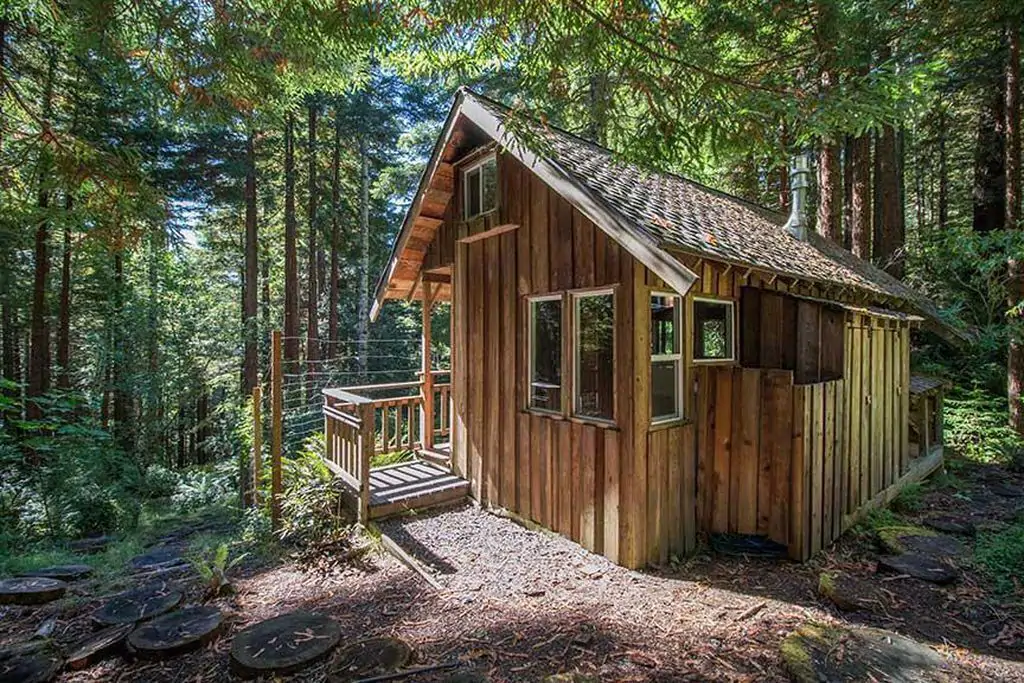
point(480, 187)
point(713, 330)
point(666, 357)
point(546, 353)
point(594, 354)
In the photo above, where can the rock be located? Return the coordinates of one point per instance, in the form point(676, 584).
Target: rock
point(36, 661)
point(846, 592)
point(890, 538)
point(64, 572)
point(1006, 490)
point(914, 539)
point(175, 633)
point(137, 605)
point(919, 567)
point(369, 657)
point(574, 677)
point(951, 525)
point(284, 644)
point(97, 646)
point(31, 590)
point(815, 653)
point(160, 557)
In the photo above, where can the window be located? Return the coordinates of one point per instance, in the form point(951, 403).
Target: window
point(546, 353)
point(594, 354)
point(480, 187)
point(712, 330)
point(666, 357)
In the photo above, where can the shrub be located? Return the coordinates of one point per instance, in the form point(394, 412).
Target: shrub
point(310, 501)
point(159, 482)
point(976, 427)
point(212, 486)
point(1001, 555)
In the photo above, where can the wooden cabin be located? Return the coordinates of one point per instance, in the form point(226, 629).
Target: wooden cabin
point(638, 358)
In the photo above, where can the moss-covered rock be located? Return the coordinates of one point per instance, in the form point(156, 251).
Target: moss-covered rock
point(893, 538)
point(819, 652)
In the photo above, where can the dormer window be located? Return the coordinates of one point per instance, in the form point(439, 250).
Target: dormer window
point(480, 187)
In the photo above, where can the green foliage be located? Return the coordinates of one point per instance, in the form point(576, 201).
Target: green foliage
point(392, 458)
point(909, 499)
point(212, 566)
point(1000, 554)
point(207, 487)
point(976, 427)
point(310, 504)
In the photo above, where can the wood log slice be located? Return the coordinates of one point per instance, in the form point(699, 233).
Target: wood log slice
point(177, 632)
point(63, 572)
point(920, 567)
point(97, 646)
point(31, 590)
point(284, 644)
point(158, 557)
point(369, 657)
point(33, 662)
point(137, 605)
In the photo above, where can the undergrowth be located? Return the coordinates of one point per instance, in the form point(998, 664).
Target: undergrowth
point(392, 458)
point(976, 427)
point(1000, 555)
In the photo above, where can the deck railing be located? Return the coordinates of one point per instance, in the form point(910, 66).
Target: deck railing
point(360, 421)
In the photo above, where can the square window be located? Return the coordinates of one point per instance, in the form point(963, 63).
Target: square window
point(546, 353)
point(480, 187)
point(594, 355)
point(666, 357)
point(713, 330)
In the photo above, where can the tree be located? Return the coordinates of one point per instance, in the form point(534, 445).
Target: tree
point(1015, 264)
point(860, 196)
point(291, 263)
point(312, 290)
point(250, 327)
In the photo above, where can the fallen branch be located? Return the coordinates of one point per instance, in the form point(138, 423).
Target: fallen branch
point(752, 611)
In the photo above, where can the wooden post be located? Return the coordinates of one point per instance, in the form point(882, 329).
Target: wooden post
point(427, 381)
point(366, 440)
point(257, 444)
point(276, 403)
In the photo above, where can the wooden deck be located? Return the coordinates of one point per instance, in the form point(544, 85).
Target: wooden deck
point(412, 486)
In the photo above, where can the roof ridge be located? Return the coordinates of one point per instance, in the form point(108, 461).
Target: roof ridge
point(607, 150)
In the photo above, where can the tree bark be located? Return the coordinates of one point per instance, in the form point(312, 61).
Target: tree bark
point(363, 325)
point(250, 326)
point(39, 349)
point(1015, 361)
point(943, 209)
point(889, 232)
point(291, 262)
point(860, 196)
point(989, 191)
point(64, 316)
point(121, 395)
point(312, 290)
point(784, 192)
point(847, 192)
point(830, 192)
point(332, 303)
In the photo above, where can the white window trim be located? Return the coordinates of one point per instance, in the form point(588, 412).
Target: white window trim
point(732, 314)
point(574, 326)
point(530, 300)
point(680, 343)
point(466, 170)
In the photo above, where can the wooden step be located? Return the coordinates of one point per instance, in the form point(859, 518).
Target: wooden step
point(438, 457)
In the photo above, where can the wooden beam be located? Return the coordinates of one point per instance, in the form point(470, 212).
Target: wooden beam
point(493, 232)
point(440, 278)
point(427, 382)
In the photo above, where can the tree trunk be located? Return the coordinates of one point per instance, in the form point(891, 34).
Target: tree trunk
point(847, 192)
point(860, 196)
point(332, 313)
point(363, 325)
point(989, 191)
point(39, 349)
point(1015, 362)
point(830, 192)
point(943, 209)
point(64, 317)
point(250, 326)
point(889, 237)
point(312, 290)
point(291, 261)
point(121, 395)
point(784, 192)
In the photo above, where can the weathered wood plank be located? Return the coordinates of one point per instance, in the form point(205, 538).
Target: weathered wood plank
point(508, 352)
point(476, 369)
point(817, 451)
point(828, 417)
point(689, 488)
point(539, 261)
point(799, 546)
point(492, 372)
point(611, 494)
point(586, 456)
point(720, 505)
point(777, 447)
point(747, 414)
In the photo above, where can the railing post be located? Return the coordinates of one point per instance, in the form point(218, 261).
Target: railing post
point(257, 443)
point(366, 439)
point(276, 403)
point(329, 434)
point(427, 380)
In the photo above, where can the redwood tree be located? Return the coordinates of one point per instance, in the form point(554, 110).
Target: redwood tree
point(1015, 363)
point(312, 291)
point(860, 196)
point(889, 228)
point(291, 262)
point(250, 371)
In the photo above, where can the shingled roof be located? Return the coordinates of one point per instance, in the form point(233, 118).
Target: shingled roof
point(656, 213)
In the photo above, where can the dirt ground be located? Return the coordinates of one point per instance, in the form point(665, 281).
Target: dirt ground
point(517, 605)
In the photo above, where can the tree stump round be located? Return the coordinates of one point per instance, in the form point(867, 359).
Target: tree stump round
point(137, 605)
point(31, 590)
point(97, 646)
point(159, 557)
point(176, 633)
point(62, 572)
point(369, 657)
point(284, 644)
point(920, 567)
point(36, 661)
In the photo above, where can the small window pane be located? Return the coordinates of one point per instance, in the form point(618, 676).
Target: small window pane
point(664, 321)
point(546, 377)
point(489, 172)
point(473, 193)
point(712, 330)
point(664, 389)
point(595, 340)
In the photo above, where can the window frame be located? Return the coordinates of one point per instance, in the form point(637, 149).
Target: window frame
point(731, 303)
point(575, 296)
point(474, 165)
point(681, 342)
point(531, 344)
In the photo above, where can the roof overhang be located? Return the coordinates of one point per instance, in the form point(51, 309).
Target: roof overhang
point(675, 274)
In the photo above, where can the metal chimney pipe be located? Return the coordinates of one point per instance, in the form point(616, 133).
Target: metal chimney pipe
point(799, 182)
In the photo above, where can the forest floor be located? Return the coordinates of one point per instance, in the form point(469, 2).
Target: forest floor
point(517, 605)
